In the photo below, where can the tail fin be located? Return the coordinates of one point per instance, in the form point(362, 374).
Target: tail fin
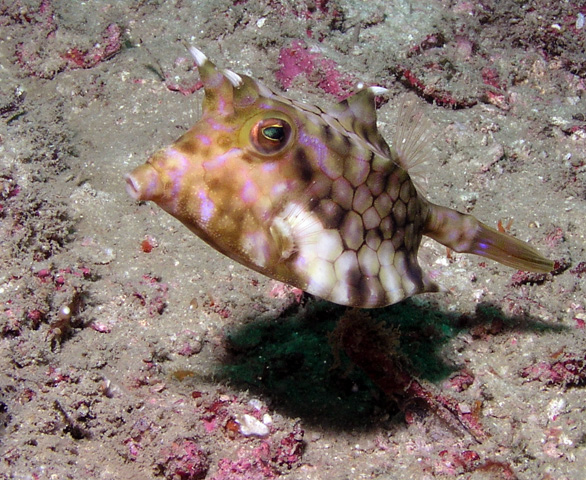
point(464, 233)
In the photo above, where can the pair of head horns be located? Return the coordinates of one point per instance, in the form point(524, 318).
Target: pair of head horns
point(225, 91)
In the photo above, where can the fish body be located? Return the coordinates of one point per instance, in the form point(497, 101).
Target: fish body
point(316, 199)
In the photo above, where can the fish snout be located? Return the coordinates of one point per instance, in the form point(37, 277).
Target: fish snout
point(144, 183)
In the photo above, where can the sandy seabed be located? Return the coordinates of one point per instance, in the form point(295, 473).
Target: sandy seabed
point(130, 349)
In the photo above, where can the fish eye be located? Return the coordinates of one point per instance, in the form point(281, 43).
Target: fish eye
point(270, 135)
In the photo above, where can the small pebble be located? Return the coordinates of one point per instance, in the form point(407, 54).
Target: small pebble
point(64, 313)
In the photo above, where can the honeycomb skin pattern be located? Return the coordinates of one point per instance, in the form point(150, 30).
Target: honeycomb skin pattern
point(331, 213)
point(313, 198)
point(356, 244)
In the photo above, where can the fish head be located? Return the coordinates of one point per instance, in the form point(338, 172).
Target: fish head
point(231, 174)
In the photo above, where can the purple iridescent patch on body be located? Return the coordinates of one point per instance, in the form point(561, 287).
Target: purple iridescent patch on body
point(180, 164)
point(206, 206)
point(217, 126)
point(204, 140)
point(330, 168)
point(220, 160)
point(249, 193)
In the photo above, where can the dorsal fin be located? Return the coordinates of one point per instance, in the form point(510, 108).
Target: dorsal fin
point(357, 114)
point(412, 144)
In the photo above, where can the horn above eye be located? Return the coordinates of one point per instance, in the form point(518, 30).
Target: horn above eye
point(270, 135)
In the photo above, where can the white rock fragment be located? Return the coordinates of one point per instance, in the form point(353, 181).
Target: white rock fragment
point(555, 408)
point(267, 419)
point(250, 426)
point(256, 403)
point(580, 21)
point(478, 294)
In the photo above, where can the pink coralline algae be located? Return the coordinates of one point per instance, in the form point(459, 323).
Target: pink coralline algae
point(491, 77)
point(43, 55)
point(430, 93)
point(496, 93)
point(290, 449)
point(249, 466)
point(579, 269)
point(454, 463)
point(282, 290)
point(569, 371)
point(299, 60)
point(531, 278)
point(152, 294)
point(461, 381)
point(259, 463)
point(107, 48)
point(184, 460)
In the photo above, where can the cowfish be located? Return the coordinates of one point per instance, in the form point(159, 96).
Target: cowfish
point(313, 198)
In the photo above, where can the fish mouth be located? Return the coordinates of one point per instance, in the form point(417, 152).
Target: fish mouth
point(144, 183)
point(132, 186)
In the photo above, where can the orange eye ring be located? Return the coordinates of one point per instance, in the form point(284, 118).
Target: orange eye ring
point(270, 135)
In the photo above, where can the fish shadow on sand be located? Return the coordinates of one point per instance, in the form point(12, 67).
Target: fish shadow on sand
point(302, 362)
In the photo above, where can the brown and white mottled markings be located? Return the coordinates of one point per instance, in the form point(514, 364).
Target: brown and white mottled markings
point(313, 198)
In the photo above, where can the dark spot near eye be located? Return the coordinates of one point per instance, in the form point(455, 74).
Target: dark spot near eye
point(329, 136)
point(347, 143)
point(303, 165)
